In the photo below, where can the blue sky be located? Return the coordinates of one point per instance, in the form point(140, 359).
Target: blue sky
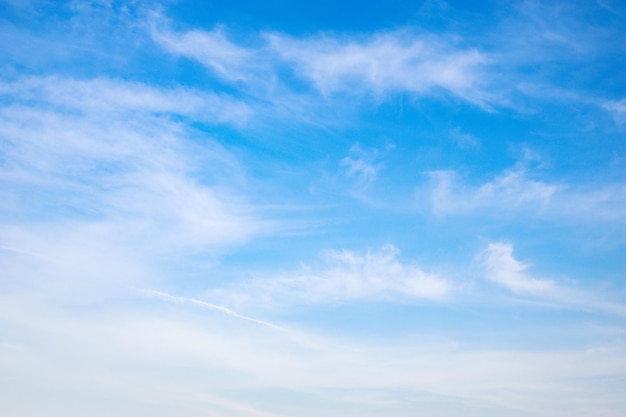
point(272, 209)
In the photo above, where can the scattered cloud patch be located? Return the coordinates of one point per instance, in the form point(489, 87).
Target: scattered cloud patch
point(518, 192)
point(212, 49)
point(463, 139)
point(362, 166)
point(384, 63)
point(617, 109)
point(347, 276)
point(503, 269)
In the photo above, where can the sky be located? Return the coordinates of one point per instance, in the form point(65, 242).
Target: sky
point(312, 209)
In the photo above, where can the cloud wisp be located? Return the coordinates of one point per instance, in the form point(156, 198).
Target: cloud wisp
point(503, 269)
point(380, 64)
point(347, 276)
point(213, 49)
point(617, 109)
point(516, 191)
point(383, 63)
point(124, 98)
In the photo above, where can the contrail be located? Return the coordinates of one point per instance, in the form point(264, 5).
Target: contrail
point(178, 299)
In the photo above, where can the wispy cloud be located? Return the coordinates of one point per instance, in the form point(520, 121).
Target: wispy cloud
point(511, 190)
point(518, 192)
point(359, 165)
point(346, 276)
point(361, 168)
point(463, 139)
point(212, 49)
point(123, 98)
point(487, 69)
point(380, 64)
point(386, 62)
point(503, 269)
point(617, 109)
point(101, 175)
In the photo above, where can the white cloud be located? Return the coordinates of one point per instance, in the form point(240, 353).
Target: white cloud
point(517, 192)
point(380, 63)
point(463, 139)
point(361, 166)
point(385, 62)
point(510, 190)
point(347, 276)
point(503, 269)
point(112, 97)
point(99, 176)
point(212, 49)
point(617, 110)
point(103, 190)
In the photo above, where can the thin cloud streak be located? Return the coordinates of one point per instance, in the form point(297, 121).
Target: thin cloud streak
point(124, 98)
point(185, 300)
